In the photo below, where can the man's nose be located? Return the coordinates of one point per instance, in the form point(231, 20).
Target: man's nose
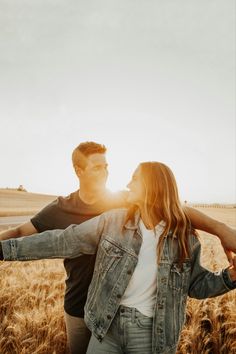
point(104, 171)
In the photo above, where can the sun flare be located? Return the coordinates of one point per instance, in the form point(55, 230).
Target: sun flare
point(118, 178)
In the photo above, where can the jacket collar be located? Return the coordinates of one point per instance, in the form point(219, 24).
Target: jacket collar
point(134, 224)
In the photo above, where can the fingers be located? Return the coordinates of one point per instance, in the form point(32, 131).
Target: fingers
point(229, 255)
point(234, 262)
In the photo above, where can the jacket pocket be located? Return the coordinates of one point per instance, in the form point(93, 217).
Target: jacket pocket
point(108, 256)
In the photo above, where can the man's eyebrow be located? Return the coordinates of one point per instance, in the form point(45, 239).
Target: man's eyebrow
point(101, 164)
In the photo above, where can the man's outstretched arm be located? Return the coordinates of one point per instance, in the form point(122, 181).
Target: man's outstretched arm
point(25, 229)
point(226, 234)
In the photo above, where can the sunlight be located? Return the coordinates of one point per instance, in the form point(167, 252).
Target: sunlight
point(119, 174)
point(117, 181)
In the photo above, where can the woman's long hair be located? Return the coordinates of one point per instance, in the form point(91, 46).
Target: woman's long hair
point(162, 203)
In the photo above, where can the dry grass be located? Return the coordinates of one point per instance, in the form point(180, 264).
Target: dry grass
point(31, 306)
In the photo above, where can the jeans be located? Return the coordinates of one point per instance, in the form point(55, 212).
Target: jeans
point(78, 334)
point(130, 332)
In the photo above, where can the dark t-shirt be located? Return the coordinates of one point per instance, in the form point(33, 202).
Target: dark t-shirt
point(61, 213)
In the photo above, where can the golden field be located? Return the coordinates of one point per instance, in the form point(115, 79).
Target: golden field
point(31, 304)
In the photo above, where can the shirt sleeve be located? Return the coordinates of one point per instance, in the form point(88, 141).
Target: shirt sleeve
point(230, 284)
point(45, 219)
point(205, 283)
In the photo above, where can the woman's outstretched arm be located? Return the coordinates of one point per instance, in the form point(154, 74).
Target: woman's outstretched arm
point(68, 243)
point(226, 234)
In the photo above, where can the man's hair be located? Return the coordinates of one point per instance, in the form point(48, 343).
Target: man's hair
point(84, 150)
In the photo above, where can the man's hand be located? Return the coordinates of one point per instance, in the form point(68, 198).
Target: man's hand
point(232, 269)
point(229, 255)
point(228, 240)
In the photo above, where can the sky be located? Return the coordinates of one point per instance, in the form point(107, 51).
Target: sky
point(152, 80)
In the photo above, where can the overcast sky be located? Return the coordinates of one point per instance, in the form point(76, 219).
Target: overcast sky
point(153, 80)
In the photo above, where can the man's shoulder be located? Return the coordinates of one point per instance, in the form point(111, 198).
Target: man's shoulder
point(70, 201)
point(50, 207)
point(72, 204)
point(110, 200)
point(59, 214)
point(53, 208)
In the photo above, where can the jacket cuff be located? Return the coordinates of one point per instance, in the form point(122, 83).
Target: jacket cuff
point(229, 283)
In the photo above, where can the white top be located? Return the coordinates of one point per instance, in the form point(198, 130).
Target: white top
point(141, 291)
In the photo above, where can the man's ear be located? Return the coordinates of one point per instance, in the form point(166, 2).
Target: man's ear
point(78, 171)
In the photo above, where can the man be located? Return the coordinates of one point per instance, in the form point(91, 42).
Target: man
point(90, 200)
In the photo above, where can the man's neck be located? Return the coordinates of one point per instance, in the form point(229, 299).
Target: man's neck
point(91, 196)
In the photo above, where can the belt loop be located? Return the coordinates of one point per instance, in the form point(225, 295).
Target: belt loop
point(133, 315)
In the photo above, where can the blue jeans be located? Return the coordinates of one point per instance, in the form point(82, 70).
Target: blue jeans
point(130, 332)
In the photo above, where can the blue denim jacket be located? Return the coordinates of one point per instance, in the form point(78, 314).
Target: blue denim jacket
point(117, 246)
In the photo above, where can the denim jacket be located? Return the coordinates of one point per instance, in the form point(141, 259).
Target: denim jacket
point(117, 247)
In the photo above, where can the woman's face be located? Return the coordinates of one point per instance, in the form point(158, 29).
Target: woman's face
point(136, 188)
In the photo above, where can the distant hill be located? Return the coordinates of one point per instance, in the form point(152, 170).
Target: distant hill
point(18, 202)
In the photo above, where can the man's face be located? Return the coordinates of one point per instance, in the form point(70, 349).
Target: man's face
point(95, 174)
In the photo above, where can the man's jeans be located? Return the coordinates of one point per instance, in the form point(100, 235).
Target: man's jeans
point(78, 334)
point(130, 332)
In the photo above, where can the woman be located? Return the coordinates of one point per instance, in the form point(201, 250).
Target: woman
point(147, 263)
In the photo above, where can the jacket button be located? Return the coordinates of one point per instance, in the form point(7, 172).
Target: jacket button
point(108, 317)
point(118, 296)
point(129, 272)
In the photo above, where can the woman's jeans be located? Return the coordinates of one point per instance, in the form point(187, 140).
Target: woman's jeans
point(130, 332)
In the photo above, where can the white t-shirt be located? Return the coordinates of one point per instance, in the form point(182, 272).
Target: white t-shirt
point(141, 291)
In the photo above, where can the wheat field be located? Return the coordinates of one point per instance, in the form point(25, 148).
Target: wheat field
point(31, 306)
